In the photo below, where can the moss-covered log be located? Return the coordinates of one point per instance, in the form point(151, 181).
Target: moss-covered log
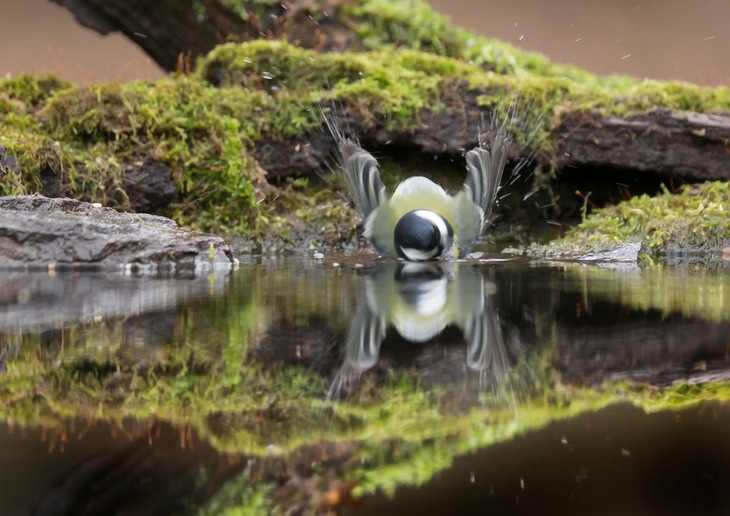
point(670, 142)
point(229, 139)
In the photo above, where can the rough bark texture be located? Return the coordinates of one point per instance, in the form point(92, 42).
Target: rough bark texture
point(144, 187)
point(38, 231)
point(688, 145)
point(172, 32)
point(446, 132)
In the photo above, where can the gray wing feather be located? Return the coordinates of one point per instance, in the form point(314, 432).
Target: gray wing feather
point(484, 172)
point(362, 176)
point(484, 166)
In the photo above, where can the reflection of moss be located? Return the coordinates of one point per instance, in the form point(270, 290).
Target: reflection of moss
point(693, 292)
point(240, 496)
point(693, 220)
point(206, 377)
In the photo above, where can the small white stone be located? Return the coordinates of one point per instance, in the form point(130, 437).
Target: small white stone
point(318, 256)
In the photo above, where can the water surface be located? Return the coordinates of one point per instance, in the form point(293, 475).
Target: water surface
point(304, 385)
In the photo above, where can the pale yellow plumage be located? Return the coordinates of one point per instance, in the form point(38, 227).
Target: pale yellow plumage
point(421, 193)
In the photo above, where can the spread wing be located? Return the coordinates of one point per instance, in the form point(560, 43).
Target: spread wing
point(484, 172)
point(473, 206)
point(362, 176)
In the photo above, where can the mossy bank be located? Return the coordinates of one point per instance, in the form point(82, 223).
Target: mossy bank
point(214, 135)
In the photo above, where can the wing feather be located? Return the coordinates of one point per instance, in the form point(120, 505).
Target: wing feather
point(362, 176)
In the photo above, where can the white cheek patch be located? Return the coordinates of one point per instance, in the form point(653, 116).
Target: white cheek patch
point(416, 255)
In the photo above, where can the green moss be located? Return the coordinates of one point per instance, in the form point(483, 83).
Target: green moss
point(398, 84)
point(205, 126)
point(693, 220)
point(203, 134)
point(414, 24)
point(30, 89)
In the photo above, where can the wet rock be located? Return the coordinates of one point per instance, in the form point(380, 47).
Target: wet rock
point(621, 254)
point(38, 231)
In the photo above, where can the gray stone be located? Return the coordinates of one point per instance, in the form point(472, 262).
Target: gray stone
point(38, 231)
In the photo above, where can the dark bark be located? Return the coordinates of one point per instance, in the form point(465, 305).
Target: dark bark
point(164, 29)
point(172, 32)
point(689, 145)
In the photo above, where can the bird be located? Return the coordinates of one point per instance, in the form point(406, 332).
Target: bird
point(420, 221)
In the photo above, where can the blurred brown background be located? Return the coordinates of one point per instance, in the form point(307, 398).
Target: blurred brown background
point(662, 39)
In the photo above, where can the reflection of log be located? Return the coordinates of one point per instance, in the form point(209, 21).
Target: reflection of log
point(159, 477)
point(171, 471)
point(641, 346)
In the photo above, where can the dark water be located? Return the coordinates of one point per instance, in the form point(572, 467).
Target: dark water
point(619, 460)
point(301, 385)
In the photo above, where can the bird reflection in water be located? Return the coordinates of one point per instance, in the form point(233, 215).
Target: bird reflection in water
point(420, 300)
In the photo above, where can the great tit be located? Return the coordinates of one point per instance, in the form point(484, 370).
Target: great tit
point(420, 221)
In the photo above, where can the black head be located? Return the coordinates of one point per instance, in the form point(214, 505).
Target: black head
point(422, 235)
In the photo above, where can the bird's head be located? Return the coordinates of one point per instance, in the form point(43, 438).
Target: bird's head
point(422, 235)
